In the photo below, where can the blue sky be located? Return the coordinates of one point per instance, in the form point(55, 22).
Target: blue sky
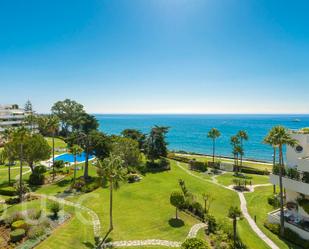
point(157, 56)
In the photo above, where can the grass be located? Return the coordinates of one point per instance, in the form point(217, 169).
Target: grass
point(141, 211)
point(259, 207)
point(227, 179)
point(252, 164)
point(59, 144)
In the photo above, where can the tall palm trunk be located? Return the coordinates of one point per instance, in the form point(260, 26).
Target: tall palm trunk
point(21, 172)
point(74, 176)
point(213, 151)
point(241, 155)
point(281, 191)
point(53, 156)
point(274, 165)
point(111, 226)
point(86, 175)
point(234, 230)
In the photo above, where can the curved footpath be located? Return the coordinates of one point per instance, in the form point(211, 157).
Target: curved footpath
point(243, 206)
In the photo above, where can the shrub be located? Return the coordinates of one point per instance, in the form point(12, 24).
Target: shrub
point(17, 235)
point(293, 173)
point(34, 214)
point(19, 224)
point(133, 178)
point(35, 232)
point(8, 191)
point(164, 164)
point(13, 217)
point(198, 209)
point(37, 177)
point(12, 200)
point(194, 243)
point(274, 201)
point(305, 177)
point(198, 166)
point(59, 164)
point(212, 223)
point(274, 228)
point(55, 208)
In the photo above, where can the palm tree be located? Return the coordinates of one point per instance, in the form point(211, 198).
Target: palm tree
point(270, 141)
point(238, 152)
point(213, 134)
point(242, 136)
point(112, 169)
point(280, 137)
point(235, 143)
point(19, 137)
point(53, 126)
point(234, 213)
point(75, 150)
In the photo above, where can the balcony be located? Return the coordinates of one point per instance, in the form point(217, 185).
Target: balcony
point(303, 164)
point(296, 185)
point(293, 221)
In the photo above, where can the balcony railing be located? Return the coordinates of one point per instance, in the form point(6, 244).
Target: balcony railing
point(293, 174)
point(293, 221)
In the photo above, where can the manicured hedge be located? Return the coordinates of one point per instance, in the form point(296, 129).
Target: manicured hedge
point(19, 224)
point(249, 170)
point(17, 235)
point(9, 191)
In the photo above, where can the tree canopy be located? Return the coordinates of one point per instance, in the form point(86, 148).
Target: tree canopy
point(156, 145)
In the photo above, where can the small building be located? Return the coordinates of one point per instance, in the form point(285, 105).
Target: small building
point(12, 116)
point(296, 184)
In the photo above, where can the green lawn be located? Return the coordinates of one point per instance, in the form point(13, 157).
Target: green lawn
point(252, 164)
point(59, 144)
point(227, 179)
point(141, 211)
point(258, 205)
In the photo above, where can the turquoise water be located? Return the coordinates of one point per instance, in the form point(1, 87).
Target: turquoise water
point(189, 132)
point(70, 158)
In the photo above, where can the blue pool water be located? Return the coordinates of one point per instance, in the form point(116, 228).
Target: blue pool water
point(189, 132)
point(70, 158)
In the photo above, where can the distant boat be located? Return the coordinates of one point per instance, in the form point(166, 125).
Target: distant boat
point(296, 120)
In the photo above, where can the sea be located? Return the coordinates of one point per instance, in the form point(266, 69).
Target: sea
point(189, 132)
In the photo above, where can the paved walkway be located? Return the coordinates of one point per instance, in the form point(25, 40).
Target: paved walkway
point(243, 206)
point(155, 242)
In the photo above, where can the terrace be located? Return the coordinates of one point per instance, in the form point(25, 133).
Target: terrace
point(293, 220)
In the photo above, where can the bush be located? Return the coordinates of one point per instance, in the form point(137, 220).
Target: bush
point(274, 228)
point(37, 177)
point(35, 232)
point(19, 224)
point(274, 201)
point(194, 243)
point(59, 164)
point(8, 191)
point(249, 170)
point(198, 209)
point(12, 200)
point(198, 166)
point(17, 235)
point(133, 178)
point(13, 217)
point(55, 208)
point(164, 164)
point(212, 223)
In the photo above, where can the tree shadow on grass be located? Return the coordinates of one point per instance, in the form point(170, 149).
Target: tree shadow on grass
point(88, 244)
point(176, 222)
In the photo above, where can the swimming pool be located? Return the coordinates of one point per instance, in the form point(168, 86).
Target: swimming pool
point(67, 157)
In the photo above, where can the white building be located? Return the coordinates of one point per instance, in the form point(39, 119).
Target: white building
point(296, 184)
point(11, 116)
